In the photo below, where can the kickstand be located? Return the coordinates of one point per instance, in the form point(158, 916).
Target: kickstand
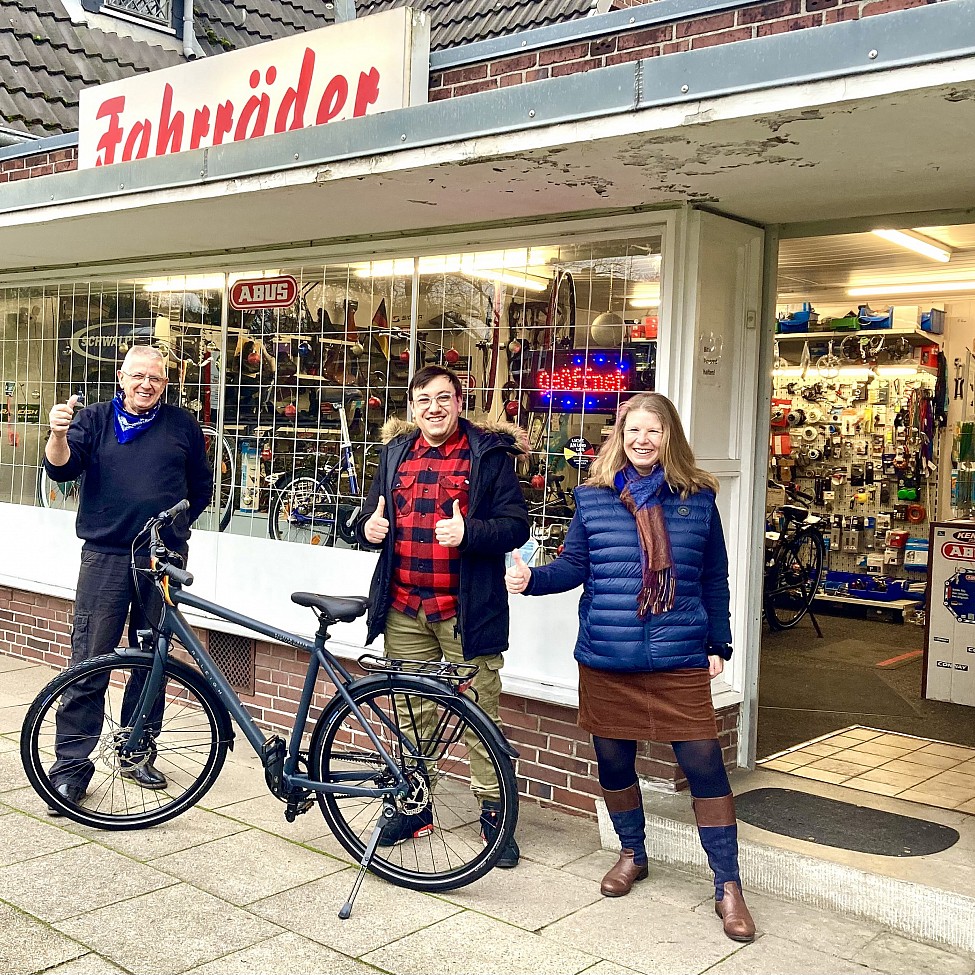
point(815, 622)
point(387, 814)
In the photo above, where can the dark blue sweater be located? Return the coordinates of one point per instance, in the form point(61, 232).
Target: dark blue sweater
point(123, 485)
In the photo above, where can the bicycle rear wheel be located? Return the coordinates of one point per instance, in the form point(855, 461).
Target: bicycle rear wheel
point(429, 730)
point(793, 579)
point(62, 495)
point(221, 459)
point(302, 510)
point(75, 729)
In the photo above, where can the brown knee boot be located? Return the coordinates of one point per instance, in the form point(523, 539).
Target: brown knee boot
point(718, 829)
point(625, 807)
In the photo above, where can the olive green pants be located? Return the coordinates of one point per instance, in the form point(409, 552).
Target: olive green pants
point(417, 639)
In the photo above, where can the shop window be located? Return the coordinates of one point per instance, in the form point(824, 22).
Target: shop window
point(293, 371)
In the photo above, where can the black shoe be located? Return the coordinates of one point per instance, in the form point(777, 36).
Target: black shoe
point(510, 854)
point(402, 828)
point(145, 775)
point(70, 793)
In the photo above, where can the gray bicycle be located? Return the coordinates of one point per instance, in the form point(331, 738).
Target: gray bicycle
point(396, 741)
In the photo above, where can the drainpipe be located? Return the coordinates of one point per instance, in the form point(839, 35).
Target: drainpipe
point(189, 51)
point(343, 10)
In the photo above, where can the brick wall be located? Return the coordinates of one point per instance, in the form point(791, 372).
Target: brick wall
point(40, 164)
point(742, 24)
point(557, 766)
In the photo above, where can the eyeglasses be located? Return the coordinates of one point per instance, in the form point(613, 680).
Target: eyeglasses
point(443, 400)
point(141, 377)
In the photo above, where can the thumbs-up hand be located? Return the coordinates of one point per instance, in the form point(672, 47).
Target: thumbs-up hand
point(61, 416)
point(518, 575)
point(449, 532)
point(376, 527)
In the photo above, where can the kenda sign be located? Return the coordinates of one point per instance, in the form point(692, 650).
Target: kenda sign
point(348, 70)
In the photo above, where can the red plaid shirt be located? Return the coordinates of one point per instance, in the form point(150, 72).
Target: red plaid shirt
point(429, 480)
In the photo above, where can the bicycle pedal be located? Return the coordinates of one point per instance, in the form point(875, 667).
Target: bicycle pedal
point(297, 807)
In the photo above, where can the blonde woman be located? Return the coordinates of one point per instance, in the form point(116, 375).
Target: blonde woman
point(654, 628)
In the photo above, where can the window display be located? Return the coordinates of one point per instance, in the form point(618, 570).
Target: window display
point(293, 370)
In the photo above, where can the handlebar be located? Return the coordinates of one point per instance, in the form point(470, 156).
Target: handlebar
point(166, 517)
point(791, 491)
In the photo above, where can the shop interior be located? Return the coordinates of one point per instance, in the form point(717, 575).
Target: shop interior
point(873, 398)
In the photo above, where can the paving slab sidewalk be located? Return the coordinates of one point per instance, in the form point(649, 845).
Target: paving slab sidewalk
point(231, 887)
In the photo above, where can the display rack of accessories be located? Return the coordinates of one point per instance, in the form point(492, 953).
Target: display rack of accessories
point(855, 430)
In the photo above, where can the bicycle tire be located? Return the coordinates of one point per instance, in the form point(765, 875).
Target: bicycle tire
point(228, 477)
point(189, 748)
point(303, 509)
point(403, 709)
point(794, 579)
point(57, 495)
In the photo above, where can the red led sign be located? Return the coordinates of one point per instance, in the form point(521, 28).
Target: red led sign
point(579, 380)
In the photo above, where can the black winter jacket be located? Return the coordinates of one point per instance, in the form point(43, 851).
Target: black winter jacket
point(496, 523)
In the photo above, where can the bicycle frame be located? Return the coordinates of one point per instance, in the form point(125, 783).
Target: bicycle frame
point(174, 624)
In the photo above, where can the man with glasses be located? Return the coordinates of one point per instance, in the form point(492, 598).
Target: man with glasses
point(446, 508)
point(136, 456)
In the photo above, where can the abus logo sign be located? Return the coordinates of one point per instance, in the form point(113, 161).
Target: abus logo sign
point(959, 551)
point(251, 293)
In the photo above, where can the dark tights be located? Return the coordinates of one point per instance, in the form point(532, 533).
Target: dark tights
point(700, 761)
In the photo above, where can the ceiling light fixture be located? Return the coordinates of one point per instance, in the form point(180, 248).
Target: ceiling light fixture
point(916, 288)
point(201, 282)
point(475, 265)
point(918, 243)
point(644, 302)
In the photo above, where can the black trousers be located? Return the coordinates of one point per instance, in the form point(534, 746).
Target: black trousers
point(105, 596)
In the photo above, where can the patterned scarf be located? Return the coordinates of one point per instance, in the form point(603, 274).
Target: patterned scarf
point(641, 495)
point(128, 425)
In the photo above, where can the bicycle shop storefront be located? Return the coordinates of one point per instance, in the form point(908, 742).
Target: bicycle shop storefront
point(293, 368)
point(536, 253)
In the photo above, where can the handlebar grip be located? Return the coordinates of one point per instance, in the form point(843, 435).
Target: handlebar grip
point(170, 513)
point(179, 576)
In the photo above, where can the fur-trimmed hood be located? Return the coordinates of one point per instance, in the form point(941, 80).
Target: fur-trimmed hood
point(512, 434)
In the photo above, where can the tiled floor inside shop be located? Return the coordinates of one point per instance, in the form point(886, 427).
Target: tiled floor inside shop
point(917, 769)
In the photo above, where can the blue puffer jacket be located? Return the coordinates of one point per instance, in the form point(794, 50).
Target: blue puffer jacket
point(602, 553)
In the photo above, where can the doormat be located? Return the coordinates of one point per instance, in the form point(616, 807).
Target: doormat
point(830, 822)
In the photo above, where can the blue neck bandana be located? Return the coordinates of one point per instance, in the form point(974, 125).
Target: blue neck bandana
point(128, 425)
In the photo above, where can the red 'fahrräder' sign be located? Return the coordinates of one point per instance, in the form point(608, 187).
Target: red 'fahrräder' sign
point(351, 69)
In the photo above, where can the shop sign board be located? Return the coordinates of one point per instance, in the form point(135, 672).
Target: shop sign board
point(280, 291)
point(347, 70)
point(959, 551)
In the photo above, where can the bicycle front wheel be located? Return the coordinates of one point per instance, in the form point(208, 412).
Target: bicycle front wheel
point(75, 731)
point(437, 839)
point(793, 580)
point(302, 510)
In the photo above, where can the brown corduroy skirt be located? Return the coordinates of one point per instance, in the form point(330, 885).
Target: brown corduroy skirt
point(663, 705)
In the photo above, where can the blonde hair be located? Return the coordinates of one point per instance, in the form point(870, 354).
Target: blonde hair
point(676, 457)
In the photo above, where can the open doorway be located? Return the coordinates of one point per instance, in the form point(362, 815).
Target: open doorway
point(873, 383)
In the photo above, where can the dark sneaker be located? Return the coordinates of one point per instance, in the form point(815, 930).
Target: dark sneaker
point(402, 828)
point(510, 854)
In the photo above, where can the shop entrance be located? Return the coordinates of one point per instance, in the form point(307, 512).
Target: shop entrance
point(872, 404)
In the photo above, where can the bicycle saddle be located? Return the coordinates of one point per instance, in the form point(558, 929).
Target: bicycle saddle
point(793, 512)
point(342, 609)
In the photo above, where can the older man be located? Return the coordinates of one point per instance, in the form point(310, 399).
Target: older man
point(135, 456)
